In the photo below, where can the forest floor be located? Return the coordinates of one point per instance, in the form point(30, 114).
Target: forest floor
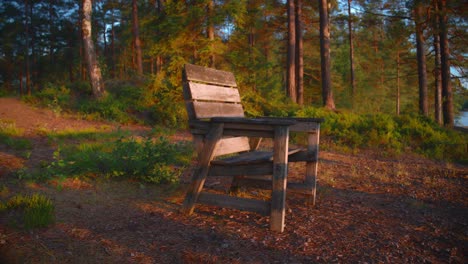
point(371, 208)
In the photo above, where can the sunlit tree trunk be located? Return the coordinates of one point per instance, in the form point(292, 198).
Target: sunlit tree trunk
point(351, 52)
point(26, 48)
point(210, 31)
point(398, 85)
point(291, 58)
point(437, 71)
point(299, 54)
point(421, 56)
point(327, 94)
point(136, 38)
point(447, 97)
point(94, 71)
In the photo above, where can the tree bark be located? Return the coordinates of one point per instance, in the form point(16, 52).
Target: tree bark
point(421, 57)
point(351, 52)
point(26, 48)
point(210, 31)
point(299, 54)
point(437, 71)
point(94, 71)
point(136, 38)
point(291, 56)
point(327, 94)
point(398, 85)
point(447, 97)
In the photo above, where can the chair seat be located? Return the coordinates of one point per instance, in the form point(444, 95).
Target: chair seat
point(252, 157)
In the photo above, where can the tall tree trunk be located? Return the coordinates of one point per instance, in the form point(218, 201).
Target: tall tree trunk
point(112, 44)
point(26, 48)
point(82, 53)
point(437, 71)
point(291, 60)
point(421, 56)
point(210, 31)
point(447, 97)
point(94, 71)
point(136, 38)
point(299, 54)
point(327, 94)
point(351, 52)
point(398, 85)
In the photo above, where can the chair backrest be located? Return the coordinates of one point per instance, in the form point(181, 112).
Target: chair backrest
point(213, 93)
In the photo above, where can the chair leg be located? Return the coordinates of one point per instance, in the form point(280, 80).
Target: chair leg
point(280, 171)
point(312, 167)
point(199, 176)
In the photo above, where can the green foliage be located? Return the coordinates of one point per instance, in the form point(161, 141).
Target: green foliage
point(108, 108)
point(147, 160)
point(36, 210)
point(168, 108)
point(10, 136)
point(391, 133)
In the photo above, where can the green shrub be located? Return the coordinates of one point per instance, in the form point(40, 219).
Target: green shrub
point(36, 210)
point(147, 160)
point(108, 108)
point(168, 106)
point(391, 133)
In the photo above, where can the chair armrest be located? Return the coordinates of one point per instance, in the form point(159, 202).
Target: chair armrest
point(302, 124)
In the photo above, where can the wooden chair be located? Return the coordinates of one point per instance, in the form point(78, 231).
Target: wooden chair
point(218, 126)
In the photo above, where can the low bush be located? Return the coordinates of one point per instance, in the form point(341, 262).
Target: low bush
point(147, 160)
point(36, 210)
point(391, 133)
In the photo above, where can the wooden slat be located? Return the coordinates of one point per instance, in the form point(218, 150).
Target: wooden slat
point(200, 91)
point(232, 145)
point(250, 170)
point(305, 127)
point(266, 184)
point(305, 155)
point(211, 109)
point(208, 75)
point(251, 158)
point(226, 201)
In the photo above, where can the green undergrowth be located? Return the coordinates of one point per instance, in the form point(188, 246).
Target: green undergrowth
point(143, 159)
point(28, 211)
point(391, 134)
point(11, 136)
point(159, 102)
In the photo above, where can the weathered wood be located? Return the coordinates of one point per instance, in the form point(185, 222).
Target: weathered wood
point(251, 158)
point(208, 75)
point(303, 155)
point(280, 170)
point(210, 109)
point(312, 166)
point(200, 91)
point(231, 145)
point(201, 172)
point(255, 143)
point(226, 201)
point(247, 169)
point(217, 122)
point(266, 184)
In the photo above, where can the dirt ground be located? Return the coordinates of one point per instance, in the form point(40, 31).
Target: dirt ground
point(371, 208)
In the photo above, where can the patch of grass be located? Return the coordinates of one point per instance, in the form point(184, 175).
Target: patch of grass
point(36, 210)
point(146, 160)
point(10, 136)
point(91, 134)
